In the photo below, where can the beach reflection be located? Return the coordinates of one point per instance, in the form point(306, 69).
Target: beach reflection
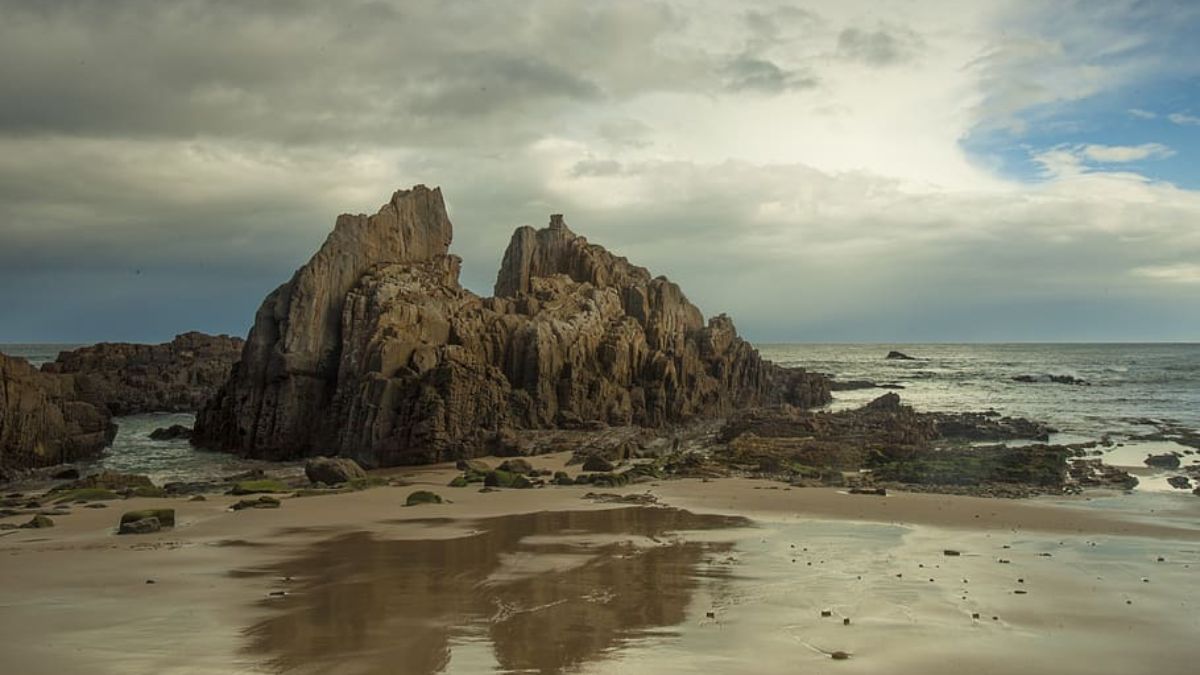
point(543, 592)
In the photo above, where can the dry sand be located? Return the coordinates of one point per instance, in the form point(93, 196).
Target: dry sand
point(75, 598)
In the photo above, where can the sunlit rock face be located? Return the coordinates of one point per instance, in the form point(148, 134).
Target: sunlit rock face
point(374, 350)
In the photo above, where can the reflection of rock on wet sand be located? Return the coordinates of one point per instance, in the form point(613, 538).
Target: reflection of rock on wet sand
point(387, 603)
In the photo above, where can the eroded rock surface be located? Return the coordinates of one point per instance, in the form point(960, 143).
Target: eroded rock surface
point(44, 420)
point(176, 376)
point(373, 350)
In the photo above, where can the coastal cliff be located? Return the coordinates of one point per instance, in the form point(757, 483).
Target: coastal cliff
point(44, 420)
point(176, 376)
point(374, 350)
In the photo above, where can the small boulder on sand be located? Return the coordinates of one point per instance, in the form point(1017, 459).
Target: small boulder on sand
point(333, 470)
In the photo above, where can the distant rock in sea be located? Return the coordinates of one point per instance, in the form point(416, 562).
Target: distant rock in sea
point(374, 351)
point(176, 376)
point(45, 421)
point(900, 356)
point(1055, 379)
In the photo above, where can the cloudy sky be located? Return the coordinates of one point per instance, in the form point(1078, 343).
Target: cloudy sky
point(822, 171)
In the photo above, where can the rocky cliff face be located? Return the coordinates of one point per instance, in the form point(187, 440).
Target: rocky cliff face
point(43, 420)
point(177, 376)
point(375, 351)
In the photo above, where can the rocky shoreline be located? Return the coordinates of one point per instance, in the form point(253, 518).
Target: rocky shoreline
point(375, 353)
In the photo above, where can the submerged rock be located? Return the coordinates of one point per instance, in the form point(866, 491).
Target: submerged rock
point(1056, 379)
point(173, 432)
point(1163, 461)
point(1180, 482)
point(374, 350)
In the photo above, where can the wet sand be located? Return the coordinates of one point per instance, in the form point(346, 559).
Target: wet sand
point(543, 581)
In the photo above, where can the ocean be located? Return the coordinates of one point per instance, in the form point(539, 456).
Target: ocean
point(1132, 390)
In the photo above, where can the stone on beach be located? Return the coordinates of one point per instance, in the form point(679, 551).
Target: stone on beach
point(333, 470)
point(422, 497)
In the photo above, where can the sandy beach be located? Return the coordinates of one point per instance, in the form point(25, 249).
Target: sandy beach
point(736, 569)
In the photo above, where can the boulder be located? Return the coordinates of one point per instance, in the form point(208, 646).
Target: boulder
point(899, 356)
point(140, 526)
point(473, 466)
point(597, 463)
point(374, 350)
point(1180, 482)
point(519, 466)
point(422, 497)
point(333, 470)
point(38, 522)
point(146, 520)
point(262, 502)
point(505, 479)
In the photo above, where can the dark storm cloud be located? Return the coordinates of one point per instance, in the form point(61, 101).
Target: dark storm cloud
point(881, 47)
point(748, 73)
point(308, 71)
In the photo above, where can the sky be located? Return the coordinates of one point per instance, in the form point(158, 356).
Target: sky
point(849, 171)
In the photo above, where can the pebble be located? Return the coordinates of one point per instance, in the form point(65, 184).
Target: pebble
point(826, 612)
point(846, 621)
point(839, 656)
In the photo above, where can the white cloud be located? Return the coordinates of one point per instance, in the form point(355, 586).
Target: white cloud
point(1183, 119)
point(1182, 273)
point(1126, 153)
point(1142, 114)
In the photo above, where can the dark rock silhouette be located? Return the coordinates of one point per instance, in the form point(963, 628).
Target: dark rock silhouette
point(373, 349)
point(176, 376)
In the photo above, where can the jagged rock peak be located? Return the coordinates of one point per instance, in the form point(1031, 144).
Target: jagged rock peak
point(290, 361)
point(390, 361)
point(412, 226)
point(555, 249)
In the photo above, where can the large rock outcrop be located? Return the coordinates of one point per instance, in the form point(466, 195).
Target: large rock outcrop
point(375, 351)
point(176, 376)
point(43, 420)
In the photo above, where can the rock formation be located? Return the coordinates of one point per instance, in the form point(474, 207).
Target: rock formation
point(177, 376)
point(374, 351)
point(44, 421)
